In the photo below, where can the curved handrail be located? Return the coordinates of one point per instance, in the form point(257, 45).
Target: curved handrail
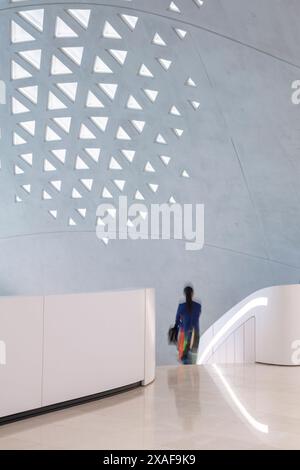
point(238, 314)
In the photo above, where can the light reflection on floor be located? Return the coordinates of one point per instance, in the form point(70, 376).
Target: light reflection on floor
point(187, 407)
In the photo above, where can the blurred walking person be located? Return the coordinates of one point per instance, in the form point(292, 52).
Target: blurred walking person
point(187, 328)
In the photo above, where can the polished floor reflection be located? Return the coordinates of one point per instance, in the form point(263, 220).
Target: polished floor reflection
point(187, 407)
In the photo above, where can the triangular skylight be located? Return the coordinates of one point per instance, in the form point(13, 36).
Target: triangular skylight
point(94, 153)
point(69, 89)
point(160, 139)
point(33, 57)
point(100, 121)
point(17, 107)
point(18, 34)
point(149, 168)
point(174, 111)
point(120, 184)
point(54, 102)
point(174, 7)
point(145, 72)
point(165, 159)
point(101, 67)
point(48, 166)
point(34, 17)
point(27, 188)
point(138, 195)
point(122, 134)
point(18, 140)
point(128, 154)
point(190, 82)
point(178, 132)
point(195, 104)
point(130, 20)
point(158, 40)
point(118, 55)
point(109, 89)
point(114, 165)
point(46, 195)
point(82, 212)
point(92, 101)
point(18, 72)
point(28, 126)
point(62, 30)
point(181, 33)
point(85, 133)
point(151, 94)
point(81, 16)
point(64, 123)
point(138, 125)
point(53, 213)
point(153, 187)
point(50, 135)
point(30, 92)
point(72, 222)
point(75, 53)
point(58, 67)
point(110, 32)
point(76, 194)
point(165, 63)
point(56, 184)
point(80, 164)
point(27, 157)
point(18, 170)
point(60, 154)
point(132, 103)
point(87, 183)
point(106, 194)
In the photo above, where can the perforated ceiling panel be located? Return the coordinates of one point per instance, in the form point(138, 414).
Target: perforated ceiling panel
point(98, 105)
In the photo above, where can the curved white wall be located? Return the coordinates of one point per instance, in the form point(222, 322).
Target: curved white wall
point(264, 327)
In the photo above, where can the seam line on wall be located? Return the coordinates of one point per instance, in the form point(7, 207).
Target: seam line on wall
point(209, 245)
point(250, 197)
point(177, 20)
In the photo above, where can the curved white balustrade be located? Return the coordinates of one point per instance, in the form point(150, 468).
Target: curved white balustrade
point(264, 327)
point(66, 347)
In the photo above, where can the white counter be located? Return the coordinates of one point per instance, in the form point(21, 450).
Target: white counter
point(65, 347)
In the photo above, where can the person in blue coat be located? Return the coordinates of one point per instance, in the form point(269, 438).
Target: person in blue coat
point(187, 325)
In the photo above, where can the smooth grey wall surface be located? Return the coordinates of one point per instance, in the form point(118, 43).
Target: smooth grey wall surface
point(240, 148)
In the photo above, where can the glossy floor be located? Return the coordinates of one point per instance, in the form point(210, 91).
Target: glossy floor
point(187, 407)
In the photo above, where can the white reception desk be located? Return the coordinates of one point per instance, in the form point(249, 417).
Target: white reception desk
point(60, 349)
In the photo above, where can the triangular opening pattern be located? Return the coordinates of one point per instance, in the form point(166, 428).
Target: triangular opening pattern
point(62, 30)
point(130, 20)
point(18, 34)
point(109, 31)
point(34, 17)
point(81, 16)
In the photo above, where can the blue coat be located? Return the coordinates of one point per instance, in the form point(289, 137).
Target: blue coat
point(186, 319)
